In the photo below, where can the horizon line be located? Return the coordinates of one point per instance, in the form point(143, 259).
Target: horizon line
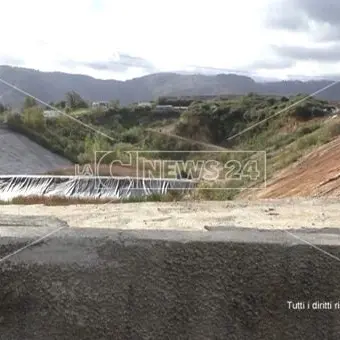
point(255, 78)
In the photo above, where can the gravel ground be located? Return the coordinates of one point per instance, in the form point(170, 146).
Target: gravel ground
point(264, 214)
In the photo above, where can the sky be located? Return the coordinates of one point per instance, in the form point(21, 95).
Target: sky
point(124, 39)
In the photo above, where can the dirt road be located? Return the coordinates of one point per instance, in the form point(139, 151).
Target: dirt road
point(267, 214)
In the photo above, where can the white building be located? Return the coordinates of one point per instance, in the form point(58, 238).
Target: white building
point(163, 108)
point(180, 108)
point(145, 104)
point(52, 114)
point(102, 104)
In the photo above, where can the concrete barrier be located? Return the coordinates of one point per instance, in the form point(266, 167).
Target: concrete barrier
point(111, 284)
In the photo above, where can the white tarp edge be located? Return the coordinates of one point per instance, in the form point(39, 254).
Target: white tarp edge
point(87, 187)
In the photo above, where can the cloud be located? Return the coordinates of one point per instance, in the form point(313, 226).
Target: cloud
point(318, 18)
point(121, 63)
point(309, 32)
point(320, 54)
point(89, 31)
point(326, 11)
point(206, 70)
point(11, 60)
point(249, 69)
point(284, 15)
point(271, 64)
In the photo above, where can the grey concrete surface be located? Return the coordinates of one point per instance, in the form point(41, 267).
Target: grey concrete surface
point(10, 220)
point(34, 227)
point(19, 155)
point(114, 284)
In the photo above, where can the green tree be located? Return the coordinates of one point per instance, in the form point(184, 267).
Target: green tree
point(94, 146)
point(2, 108)
point(114, 104)
point(29, 102)
point(33, 117)
point(61, 104)
point(75, 101)
point(48, 107)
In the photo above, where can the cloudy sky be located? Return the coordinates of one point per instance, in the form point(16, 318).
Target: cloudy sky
point(122, 39)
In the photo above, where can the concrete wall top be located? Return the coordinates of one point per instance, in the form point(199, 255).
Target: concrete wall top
point(111, 284)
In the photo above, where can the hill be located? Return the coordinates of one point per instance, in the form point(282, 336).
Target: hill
point(52, 86)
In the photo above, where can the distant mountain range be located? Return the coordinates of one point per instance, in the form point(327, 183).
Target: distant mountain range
point(52, 86)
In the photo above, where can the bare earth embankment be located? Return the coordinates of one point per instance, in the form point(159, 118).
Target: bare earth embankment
point(315, 175)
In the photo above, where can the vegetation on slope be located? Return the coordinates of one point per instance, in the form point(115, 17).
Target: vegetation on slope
point(291, 128)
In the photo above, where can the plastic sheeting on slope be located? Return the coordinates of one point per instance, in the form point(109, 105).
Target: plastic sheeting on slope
point(86, 187)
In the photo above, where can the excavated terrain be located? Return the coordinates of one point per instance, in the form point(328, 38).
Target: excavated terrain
point(315, 175)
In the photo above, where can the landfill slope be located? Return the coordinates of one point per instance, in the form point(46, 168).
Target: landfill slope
point(315, 175)
point(21, 156)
